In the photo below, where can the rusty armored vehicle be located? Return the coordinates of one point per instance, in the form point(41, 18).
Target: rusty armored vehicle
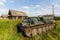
point(32, 26)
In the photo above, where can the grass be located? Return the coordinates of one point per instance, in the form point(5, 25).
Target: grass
point(8, 31)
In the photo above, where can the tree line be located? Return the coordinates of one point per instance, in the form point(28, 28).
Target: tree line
point(57, 18)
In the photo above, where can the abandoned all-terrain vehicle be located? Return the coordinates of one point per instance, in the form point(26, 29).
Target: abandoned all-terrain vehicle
point(32, 26)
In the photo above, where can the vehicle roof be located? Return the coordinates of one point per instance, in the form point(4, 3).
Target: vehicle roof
point(33, 17)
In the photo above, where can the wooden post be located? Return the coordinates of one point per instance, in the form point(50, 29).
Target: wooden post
point(16, 17)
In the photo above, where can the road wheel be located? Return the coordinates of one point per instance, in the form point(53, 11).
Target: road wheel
point(39, 30)
point(27, 32)
point(34, 32)
point(44, 29)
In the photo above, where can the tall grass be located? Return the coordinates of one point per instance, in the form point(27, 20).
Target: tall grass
point(8, 31)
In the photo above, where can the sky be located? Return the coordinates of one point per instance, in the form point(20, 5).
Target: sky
point(30, 7)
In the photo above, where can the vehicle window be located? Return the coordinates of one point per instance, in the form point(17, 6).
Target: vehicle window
point(35, 20)
point(39, 19)
point(26, 20)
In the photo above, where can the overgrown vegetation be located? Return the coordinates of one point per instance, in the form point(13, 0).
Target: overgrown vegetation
point(57, 18)
point(8, 31)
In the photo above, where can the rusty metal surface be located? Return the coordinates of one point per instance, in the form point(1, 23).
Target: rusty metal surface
point(37, 29)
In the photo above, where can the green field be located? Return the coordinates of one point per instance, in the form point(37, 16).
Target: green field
point(8, 31)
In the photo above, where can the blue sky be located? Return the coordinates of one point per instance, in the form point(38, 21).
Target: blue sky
point(31, 7)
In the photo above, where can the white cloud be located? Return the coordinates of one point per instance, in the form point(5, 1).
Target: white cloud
point(7, 1)
point(25, 7)
point(39, 10)
point(31, 7)
point(2, 4)
point(3, 7)
point(37, 5)
point(12, 1)
point(35, 10)
point(57, 6)
point(24, 0)
point(2, 0)
point(3, 11)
